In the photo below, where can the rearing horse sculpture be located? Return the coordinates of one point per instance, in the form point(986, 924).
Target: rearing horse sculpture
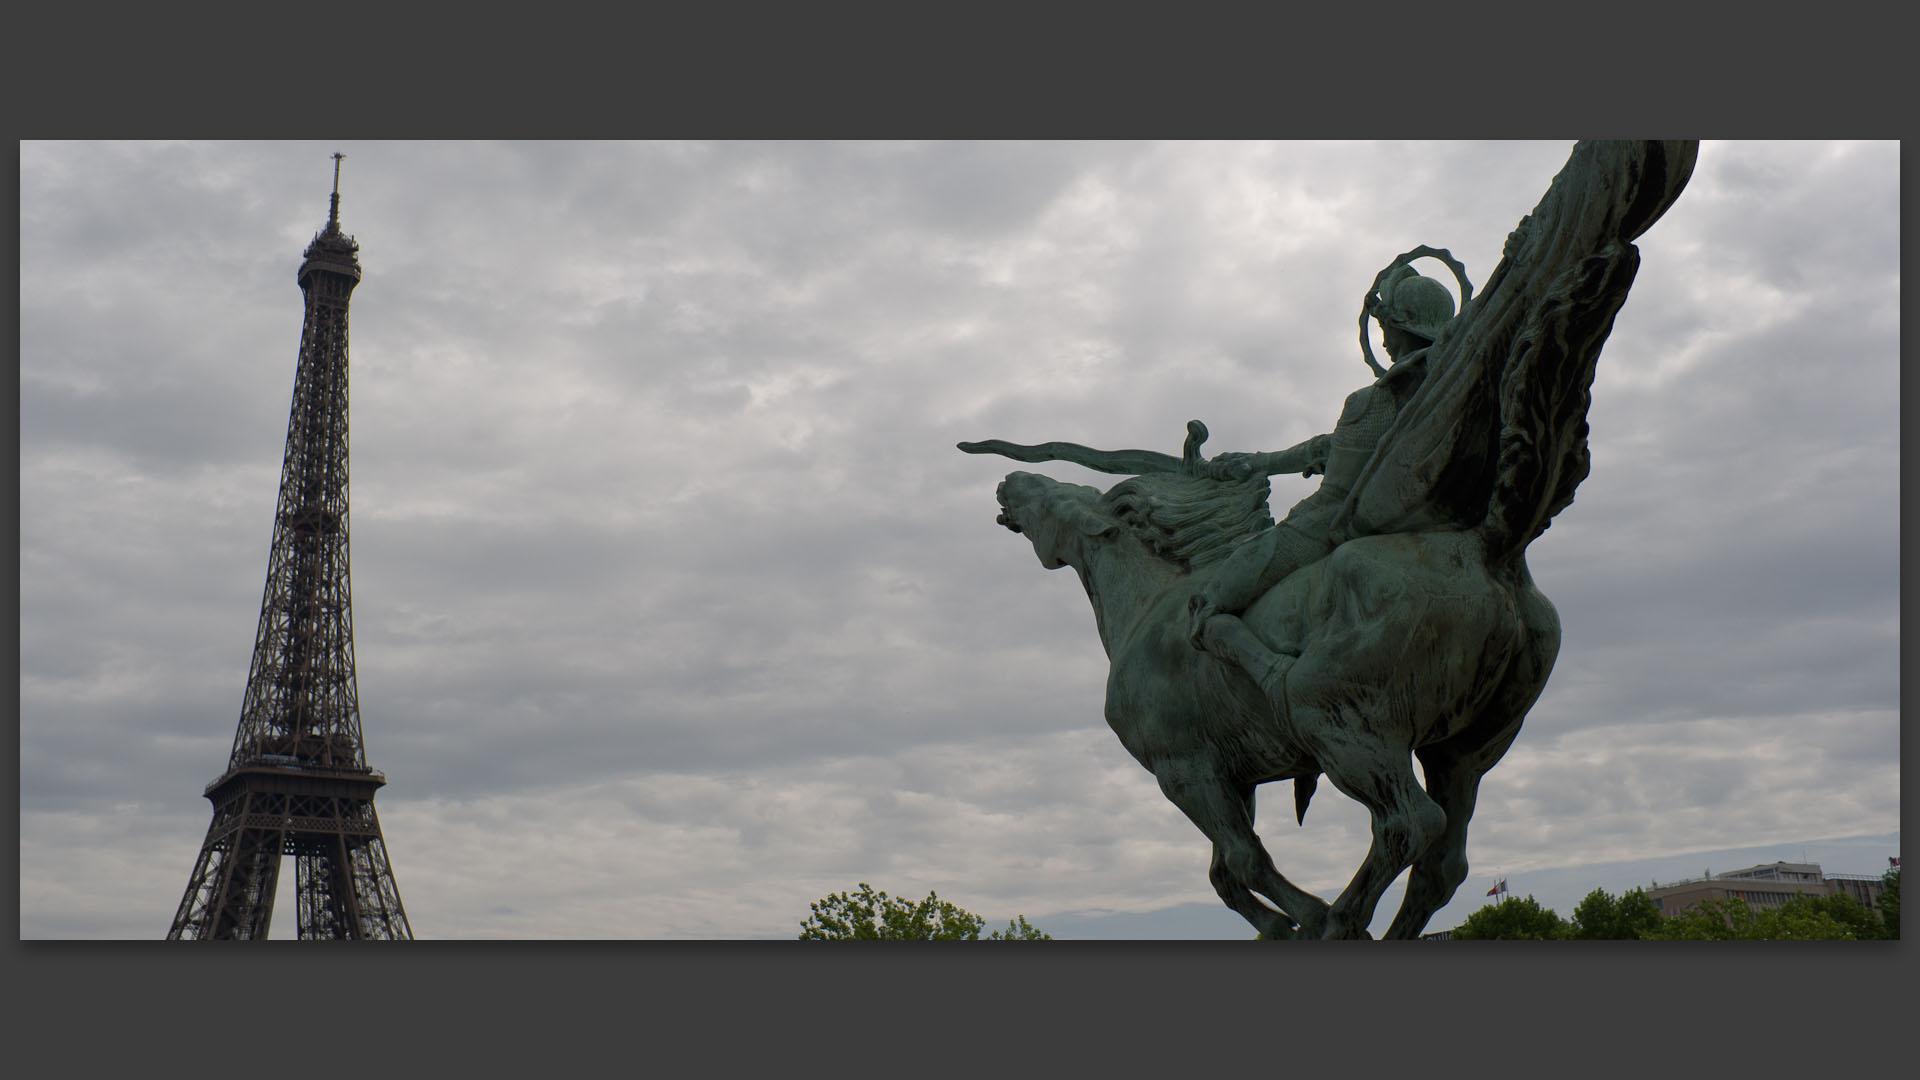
point(1421, 633)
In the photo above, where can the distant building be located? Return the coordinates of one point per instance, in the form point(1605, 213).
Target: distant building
point(1763, 887)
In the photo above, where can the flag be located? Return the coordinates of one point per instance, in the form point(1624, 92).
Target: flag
point(1498, 888)
point(1893, 861)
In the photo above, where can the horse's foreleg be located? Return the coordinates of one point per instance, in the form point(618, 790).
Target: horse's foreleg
point(1224, 812)
point(1272, 925)
point(1308, 910)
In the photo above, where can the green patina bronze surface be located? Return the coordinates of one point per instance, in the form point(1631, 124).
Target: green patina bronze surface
point(1390, 614)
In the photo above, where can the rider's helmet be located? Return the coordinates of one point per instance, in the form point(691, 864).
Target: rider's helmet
point(1416, 304)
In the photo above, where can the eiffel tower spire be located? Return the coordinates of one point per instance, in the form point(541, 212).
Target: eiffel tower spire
point(333, 209)
point(297, 782)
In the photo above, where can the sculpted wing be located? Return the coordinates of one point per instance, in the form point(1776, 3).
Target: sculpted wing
point(1495, 436)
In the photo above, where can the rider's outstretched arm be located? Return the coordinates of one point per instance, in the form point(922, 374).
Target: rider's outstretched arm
point(1305, 458)
point(1308, 457)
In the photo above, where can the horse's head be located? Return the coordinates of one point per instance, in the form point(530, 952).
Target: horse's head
point(1053, 515)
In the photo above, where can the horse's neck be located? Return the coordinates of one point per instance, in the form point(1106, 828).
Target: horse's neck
point(1122, 579)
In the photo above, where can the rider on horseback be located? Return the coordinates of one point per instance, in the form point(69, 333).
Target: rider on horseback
point(1411, 310)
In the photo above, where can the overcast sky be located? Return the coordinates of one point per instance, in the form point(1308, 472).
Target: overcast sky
point(675, 607)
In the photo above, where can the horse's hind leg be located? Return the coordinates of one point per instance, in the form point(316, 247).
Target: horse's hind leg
point(1453, 781)
point(1241, 865)
point(1378, 774)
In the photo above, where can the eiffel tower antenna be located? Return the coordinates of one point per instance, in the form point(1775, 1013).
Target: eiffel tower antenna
point(297, 782)
point(333, 215)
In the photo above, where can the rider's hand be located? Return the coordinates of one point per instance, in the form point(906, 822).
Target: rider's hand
point(1320, 445)
point(1230, 466)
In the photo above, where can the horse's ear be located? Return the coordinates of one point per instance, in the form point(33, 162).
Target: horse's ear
point(1083, 517)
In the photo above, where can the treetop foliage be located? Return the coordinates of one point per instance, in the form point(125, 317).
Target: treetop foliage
point(1889, 903)
point(1604, 917)
point(871, 915)
point(1512, 918)
point(1730, 919)
point(1633, 917)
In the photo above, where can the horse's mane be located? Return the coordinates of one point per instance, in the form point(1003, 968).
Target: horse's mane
point(1191, 521)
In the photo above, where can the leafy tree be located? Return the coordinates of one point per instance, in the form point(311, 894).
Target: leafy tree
point(1709, 920)
point(1018, 930)
point(1866, 924)
point(1730, 919)
point(1603, 917)
point(871, 915)
point(1633, 916)
point(1804, 918)
point(1889, 902)
point(1512, 919)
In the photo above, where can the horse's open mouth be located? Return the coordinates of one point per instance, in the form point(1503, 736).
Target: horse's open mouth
point(1000, 496)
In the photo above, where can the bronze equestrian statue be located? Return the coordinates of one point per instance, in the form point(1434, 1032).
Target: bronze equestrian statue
point(1390, 614)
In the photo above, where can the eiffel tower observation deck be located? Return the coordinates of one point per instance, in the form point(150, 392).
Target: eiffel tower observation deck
point(297, 782)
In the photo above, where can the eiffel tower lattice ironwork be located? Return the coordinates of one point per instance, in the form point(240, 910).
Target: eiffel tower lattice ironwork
point(297, 782)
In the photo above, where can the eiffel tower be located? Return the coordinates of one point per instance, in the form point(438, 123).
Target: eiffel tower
point(297, 782)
